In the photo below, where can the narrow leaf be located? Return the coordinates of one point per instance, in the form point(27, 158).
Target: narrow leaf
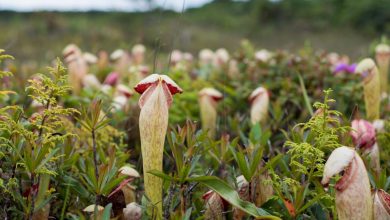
point(107, 212)
point(230, 195)
point(161, 175)
point(305, 96)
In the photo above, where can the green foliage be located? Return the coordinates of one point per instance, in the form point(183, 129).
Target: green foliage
point(319, 135)
point(98, 171)
point(52, 154)
point(32, 145)
point(230, 195)
point(186, 147)
point(383, 140)
point(250, 159)
point(2, 58)
point(40, 136)
point(2, 72)
point(38, 147)
point(307, 149)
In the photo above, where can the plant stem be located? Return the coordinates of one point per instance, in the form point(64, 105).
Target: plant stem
point(65, 201)
point(32, 179)
point(252, 189)
point(168, 202)
point(95, 164)
point(183, 199)
point(32, 207)
point(44, 117)
point(187, 193)
point(222, 170)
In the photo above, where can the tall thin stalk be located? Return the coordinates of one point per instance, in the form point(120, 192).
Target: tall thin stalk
point(95, 163)
point(32, 178)
point(32, 206)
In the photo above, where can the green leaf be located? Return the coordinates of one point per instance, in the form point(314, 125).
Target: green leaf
point(47, 158)
point(310, 203)
point(184, 172)
point(106, 212)
point(258, 155)
point(85, 124)
point(242, 163)
point(111, 173)
point(44, 181)
point(305, 96)
point(230, 195)
point(255, 134)
point(102, 124)
point(162, 175)
point(7, 92)
point(111, 184)
point(43, 203)
point(188, 214)
point(87, 182)
point(387, 184)
point(271, 163)
point(42, 154)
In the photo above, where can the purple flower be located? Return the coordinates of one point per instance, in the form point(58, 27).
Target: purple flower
point(343, 67)
point(351, 68)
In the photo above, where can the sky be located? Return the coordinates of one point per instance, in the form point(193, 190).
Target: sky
point(104, 5)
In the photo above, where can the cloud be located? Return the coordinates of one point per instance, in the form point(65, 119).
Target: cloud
point(177, 5)
point(104, 5)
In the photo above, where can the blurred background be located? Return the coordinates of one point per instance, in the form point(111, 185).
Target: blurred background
point(40, 29)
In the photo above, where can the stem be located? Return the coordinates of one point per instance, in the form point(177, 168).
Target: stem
point(183, 199)
point(65, 201)
point(44, 117)
point(32, 207)
point(222, 170)
point(95, 164)
point(169, 201)
point(187, 193)
point(325, 114)
point(32, 179)
point(252, 189)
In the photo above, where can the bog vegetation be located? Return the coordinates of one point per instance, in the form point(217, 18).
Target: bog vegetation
point(245, 134)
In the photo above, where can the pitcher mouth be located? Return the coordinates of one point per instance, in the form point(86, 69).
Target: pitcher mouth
point(347, 175)
point(385, 199)
point(155, 79)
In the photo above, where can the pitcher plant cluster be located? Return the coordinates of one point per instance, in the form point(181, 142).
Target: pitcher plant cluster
point(250, 134)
